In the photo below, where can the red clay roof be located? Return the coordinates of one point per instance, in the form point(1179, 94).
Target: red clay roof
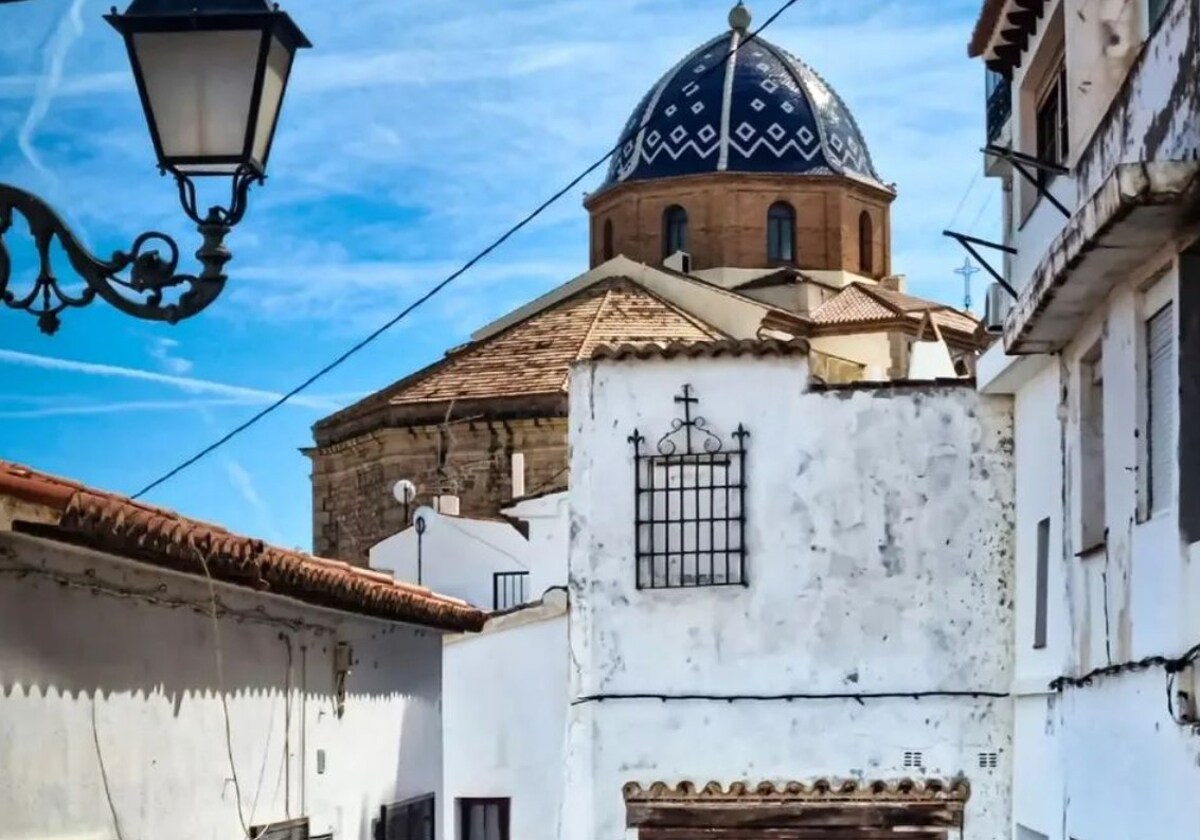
point(161, 537)
point(757, 347)
point(860, 303)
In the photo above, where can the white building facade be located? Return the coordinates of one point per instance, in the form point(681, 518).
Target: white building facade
point(505, 688)
point(162, 677)
point(1096, 347)
point(791, 605)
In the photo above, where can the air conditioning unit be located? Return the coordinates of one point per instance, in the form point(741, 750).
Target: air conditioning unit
point(999, 302)
point(680, 261)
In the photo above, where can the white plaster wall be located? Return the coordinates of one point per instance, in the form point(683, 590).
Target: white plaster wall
point(880, 559)
point(458, 555)
point(549, 521)
point(117, 698)
point(505, 707)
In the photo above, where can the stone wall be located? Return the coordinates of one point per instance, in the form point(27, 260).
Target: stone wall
point(353, 505)
point(727, 220)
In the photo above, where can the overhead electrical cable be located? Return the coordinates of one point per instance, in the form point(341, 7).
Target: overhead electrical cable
point(400, 316)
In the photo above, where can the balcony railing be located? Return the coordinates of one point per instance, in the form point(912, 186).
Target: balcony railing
point(509, 589)
point(999, 104)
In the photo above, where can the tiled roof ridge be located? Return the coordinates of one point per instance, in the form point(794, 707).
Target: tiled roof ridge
point(171, 540)
point(757, 347)
point(608, 287)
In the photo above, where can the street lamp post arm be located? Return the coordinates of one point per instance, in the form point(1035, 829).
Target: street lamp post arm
point(133, 281)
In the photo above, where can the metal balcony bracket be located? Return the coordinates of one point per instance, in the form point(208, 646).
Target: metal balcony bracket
point(971, 243)
point(1020, 162)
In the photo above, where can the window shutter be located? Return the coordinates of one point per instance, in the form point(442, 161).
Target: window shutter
point(1160, 420)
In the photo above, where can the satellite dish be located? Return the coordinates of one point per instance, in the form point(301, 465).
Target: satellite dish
point(404, 491)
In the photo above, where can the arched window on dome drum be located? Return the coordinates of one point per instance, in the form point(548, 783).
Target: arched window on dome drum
point(866, 243)
point(608, 240)
point(781, 233)
point(674, 230)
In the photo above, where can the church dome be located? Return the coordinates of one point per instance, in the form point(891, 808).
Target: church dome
point(764, 111)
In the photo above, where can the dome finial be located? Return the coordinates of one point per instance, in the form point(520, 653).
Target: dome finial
point(739, 18)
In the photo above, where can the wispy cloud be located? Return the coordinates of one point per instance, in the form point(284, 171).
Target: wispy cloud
point(183, 383)
point(162, 350)
point(68, 32)
point(243, 483)
point(126, 407)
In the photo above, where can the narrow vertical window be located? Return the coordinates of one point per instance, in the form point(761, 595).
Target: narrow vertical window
point(1160, 409)
point(1091, 450)
point(781, 233)
point(483, 819)
point(608, 240)
point(866, 243)
point(1043, 579)
point(675, 222)
point(1053, 131)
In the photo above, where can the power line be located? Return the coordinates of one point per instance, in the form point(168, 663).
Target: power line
point(537, 211)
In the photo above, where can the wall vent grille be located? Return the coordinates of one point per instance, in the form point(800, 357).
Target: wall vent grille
point(989, 760)
point(914, 759)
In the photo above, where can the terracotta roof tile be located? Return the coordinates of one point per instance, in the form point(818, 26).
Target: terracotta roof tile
point(757, 347)
point(823, 789)
point(165, 538)
point(859, 303)
point(533, 356)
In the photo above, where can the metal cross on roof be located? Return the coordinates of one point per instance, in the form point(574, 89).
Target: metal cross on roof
point(967, 271)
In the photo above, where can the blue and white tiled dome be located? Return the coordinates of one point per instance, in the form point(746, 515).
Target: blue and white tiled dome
point(764, 111)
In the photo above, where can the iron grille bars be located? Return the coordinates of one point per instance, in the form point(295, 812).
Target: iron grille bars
point(689, 503)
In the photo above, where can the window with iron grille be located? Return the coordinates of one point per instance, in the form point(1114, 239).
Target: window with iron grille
point(509, 589)
point(689, 494)
point(408, 820)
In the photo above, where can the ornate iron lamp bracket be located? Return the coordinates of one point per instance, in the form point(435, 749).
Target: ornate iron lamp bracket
point(133, 281)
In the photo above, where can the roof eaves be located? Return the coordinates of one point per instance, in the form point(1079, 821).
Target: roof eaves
point(163, 538)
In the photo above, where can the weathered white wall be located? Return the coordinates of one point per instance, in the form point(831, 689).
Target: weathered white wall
point(108, 698)
point(1104, 760)
point(880, 560)
point(505, 710)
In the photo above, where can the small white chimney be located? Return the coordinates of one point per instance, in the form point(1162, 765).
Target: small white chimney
point(447, 505)
point(680, 261)
point(518, 475)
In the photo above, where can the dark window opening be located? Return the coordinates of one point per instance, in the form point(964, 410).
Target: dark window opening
point(608, 240)
point(412, 819)
point(1043, 577)
point(675, 223)
point(288, 830)
point(483, 819)
point(1157, 7)
point(866, 243)
point(1053, 132)
point(781, 233)
point(690, 512)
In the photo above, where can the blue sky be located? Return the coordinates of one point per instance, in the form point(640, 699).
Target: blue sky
point(413, 133)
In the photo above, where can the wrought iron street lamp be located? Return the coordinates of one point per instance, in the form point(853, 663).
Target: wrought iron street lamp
point(211, 75)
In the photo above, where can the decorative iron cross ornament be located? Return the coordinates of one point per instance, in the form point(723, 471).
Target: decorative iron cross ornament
point(687, 400)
